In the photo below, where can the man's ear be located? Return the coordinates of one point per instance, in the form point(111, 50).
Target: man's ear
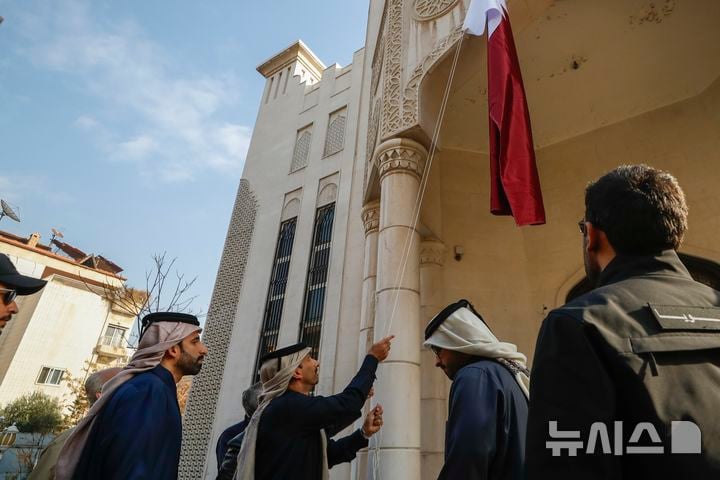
point(596, 238)
point(297, 375)
point(173, 352)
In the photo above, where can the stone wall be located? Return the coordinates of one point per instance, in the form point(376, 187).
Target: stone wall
point(198, 421)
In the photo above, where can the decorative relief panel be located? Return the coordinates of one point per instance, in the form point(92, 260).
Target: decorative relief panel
point(401, 155)
point(426, 10)
point(201, 406)
point(392, 72)
point(371, 217)
point(398, 99)
point(373, 127)
point(410, 97)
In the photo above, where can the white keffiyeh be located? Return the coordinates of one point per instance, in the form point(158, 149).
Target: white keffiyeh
point(462, 331)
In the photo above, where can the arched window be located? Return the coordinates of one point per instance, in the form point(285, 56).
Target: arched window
point(276, 293)
point(335, 139)
point(302, 149)
point(702, 270)
point(316, 283)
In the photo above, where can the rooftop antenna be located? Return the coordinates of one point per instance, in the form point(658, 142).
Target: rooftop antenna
point(7, 211)
point(56, 234)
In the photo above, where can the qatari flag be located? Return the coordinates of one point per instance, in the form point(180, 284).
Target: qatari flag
point(515, 185)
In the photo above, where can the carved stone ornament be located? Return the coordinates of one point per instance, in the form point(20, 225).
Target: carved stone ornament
point(392, 59)
point(400, 155)
point(410, 97)
point(371, 217)
point(432, 251)
point(426, 10)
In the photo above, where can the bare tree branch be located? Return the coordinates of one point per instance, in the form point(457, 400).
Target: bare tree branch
point(155, 297)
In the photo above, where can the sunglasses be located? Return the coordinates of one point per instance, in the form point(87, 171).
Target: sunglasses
point(9, 296)
point(435, 350)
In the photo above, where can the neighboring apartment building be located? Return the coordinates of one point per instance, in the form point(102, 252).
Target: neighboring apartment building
point(323, 246)
point(65, 325)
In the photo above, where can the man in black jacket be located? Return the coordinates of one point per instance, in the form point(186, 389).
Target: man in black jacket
point(288, 436)
point(626, 378)
point(250, 400)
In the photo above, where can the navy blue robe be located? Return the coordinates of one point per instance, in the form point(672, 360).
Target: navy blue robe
point(485, 431)
point(137, 434)
point(288, 442)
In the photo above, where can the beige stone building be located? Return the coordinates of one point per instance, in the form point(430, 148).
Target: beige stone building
point(66, 324)
point(324, 212)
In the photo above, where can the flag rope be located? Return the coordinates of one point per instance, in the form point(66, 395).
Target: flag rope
point(407, 245)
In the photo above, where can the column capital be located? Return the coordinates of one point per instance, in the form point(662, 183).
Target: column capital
point(371, 216)
point(400, 155)
point(432, 252)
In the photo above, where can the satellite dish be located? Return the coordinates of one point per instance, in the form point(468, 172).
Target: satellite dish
point(57, 233)
point(8, 211)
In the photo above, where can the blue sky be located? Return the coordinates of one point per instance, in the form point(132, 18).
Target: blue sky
point(126, 123)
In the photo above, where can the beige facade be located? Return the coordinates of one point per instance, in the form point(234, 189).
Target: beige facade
point(607, 83)
point(60, 328)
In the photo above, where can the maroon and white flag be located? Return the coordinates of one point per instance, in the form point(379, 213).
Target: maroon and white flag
point(515, 184)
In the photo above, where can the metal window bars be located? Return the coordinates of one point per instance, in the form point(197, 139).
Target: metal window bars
point(276, 293)
point(311, 322)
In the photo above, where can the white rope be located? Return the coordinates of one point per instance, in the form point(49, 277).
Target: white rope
point(407, 245)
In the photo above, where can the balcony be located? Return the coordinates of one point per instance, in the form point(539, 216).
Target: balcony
point(111, 346)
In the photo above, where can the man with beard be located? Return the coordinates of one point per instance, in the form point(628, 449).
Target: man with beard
point(13, 284)
point(134, 430)
point(488, 404)
point(288, 435)
point(637, 359)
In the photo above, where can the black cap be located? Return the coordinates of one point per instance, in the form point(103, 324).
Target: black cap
point(283, 352)
point(446, 312)
point(155, 317)
point(22, 284)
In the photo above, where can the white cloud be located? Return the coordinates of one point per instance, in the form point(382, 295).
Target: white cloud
point(86, 122)
point(17, 189)
point(170, 115)
point(137, 148)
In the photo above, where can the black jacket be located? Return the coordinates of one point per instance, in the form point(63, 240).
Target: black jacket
point(288, 441)
point(642, 347)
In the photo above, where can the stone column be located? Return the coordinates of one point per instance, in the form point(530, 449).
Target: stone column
point(433, 386)
point(400, 163)
point(371, 222)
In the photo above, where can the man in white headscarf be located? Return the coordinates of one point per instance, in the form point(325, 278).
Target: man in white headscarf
point(134, 430)
point(488, 408)
point(288, 435)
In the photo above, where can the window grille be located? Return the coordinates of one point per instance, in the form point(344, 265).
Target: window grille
point(302, 149)
point(335, 139)
point(50, 376)
point(311, 323)
point(276, 292)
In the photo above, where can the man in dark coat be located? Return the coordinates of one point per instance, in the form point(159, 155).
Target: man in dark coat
point(288, 436)
point(637, 360)
point(134, 430)
point(485, 431)
point(250, 400)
